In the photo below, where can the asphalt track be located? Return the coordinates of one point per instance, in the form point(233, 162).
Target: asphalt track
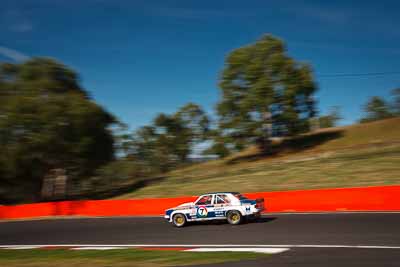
point(315, 239)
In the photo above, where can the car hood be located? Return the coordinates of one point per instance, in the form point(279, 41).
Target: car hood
point(185, 205)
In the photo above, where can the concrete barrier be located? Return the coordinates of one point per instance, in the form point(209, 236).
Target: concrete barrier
point(376, 198)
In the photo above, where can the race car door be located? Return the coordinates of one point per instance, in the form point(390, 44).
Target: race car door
point(204, 208)
point(221, 201)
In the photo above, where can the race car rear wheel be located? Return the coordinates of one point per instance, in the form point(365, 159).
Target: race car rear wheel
point(234, 217)
point(179, 220)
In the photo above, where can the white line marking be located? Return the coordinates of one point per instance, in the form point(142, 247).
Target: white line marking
point(22, 247)
point(98, 248)
point(206, 246)
point(258, 250)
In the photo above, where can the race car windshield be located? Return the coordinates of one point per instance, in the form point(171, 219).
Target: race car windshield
point(240, 197)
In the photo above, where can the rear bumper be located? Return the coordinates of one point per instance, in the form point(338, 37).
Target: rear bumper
point(259, 210)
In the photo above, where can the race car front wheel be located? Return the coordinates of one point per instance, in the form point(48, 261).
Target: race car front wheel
point(179, 220)
point(234, 217)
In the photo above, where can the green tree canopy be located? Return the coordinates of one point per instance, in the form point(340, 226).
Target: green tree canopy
point(264, 91)
point(219, 144)
point(48, 121)
point(170, 139)
point(331, 119)
point(396, 101)
point(376, 109)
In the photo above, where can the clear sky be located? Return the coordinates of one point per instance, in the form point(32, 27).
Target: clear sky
point(139, 58)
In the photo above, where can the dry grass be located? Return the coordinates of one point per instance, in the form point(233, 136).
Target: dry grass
point(358, 155)
point(115, 258)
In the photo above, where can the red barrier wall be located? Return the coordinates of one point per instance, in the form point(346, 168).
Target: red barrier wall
point(379, 198)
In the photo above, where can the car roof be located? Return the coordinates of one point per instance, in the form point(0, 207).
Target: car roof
point(223, 192)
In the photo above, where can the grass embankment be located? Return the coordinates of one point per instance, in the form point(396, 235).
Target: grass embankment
point(115, 258)
point(358, 155)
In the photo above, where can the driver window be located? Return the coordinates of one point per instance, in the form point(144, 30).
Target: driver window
point(205, 200)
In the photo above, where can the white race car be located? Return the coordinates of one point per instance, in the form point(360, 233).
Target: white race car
point(230, 206)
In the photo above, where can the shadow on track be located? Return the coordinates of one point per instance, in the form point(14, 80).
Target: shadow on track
point(263, 220)
point(224, 222)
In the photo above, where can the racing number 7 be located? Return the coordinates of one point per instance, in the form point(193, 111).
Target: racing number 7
point(201, 211)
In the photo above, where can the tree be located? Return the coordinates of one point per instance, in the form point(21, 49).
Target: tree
point(376, 109)
point(179, 132)
point(396, 101)
point(122, 139)
point(47, 122)
point(331, 119)
point(146, 151)
point(194, 120)
point(264, 91)
point(169, 141)
point(219, 144)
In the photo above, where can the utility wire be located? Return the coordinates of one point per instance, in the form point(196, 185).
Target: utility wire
point(359, 74)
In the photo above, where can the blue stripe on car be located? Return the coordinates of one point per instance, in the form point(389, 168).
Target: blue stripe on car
point(211, 214)
point(248, 201)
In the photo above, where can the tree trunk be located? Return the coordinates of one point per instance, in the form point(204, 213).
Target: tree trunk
point(265, 142)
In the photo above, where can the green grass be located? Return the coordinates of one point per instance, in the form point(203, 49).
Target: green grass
point(358, 155)
point(115, 258)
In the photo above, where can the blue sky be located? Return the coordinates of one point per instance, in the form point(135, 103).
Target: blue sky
point(139, 58)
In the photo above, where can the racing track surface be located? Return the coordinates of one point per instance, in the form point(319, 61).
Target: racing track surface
point(367, 229)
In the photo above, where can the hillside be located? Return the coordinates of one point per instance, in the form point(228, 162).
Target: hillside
point(357, 155)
